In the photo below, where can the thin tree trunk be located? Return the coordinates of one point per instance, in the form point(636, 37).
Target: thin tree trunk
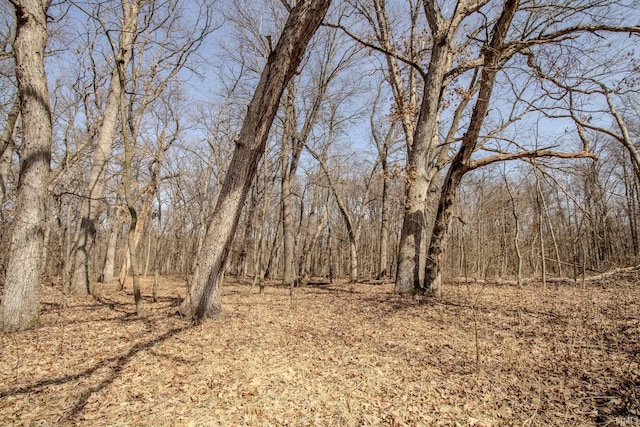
point(156, 257)
point(93, 202)
point(45, 247)
point(147, 258)
point(516, 238)
point(274, 252)
point(630, 197)
point(124, 267)
point(260, 258)
point(543, 256)
point(203, 299)
point(21, 304)
point(287, 217)
point(353, 227)
point(383, 262)
point(553, 236)
point(330, 254)
point(305, 262)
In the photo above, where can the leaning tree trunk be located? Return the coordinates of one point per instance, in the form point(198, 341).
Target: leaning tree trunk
point(203, 298)
point(439, 236)
point(20, 304)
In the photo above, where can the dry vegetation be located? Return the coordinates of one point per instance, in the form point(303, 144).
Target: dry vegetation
point(337, 354)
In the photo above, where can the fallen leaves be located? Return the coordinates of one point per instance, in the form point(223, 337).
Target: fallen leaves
point(342, 354)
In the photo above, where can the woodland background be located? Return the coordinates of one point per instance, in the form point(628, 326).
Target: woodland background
point(339, 155)
point(309, 165)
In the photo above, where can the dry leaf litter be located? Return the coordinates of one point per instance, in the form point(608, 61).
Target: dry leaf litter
point(335, 354)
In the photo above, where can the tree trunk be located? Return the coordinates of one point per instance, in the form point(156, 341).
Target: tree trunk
point(203, 298)
point(110, 258)
point(6, 148)
point(21, 304)
point(124, 266)
point(135, 227)
point(305, 259)
point(353, 260)
point(543, 256)
point(516, 237)
point(461, 163)
point(286, 183)
point(421, 153)
point(93, 201)
point(384, 225)
point(433, 274)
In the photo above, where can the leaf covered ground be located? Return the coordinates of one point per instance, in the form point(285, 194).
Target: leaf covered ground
point(333, 355)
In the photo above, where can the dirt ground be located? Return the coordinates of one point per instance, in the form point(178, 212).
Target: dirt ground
point(333, 355)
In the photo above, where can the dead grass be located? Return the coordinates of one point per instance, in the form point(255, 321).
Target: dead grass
point(341, 355)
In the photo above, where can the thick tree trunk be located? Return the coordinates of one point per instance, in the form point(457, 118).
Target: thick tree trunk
point(203, 298)
point(93, 201)
point(461, 163)
point(409, 275)
point(20, 303)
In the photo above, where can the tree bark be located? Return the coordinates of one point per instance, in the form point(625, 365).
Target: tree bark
point(20, 303)
point(203, 298)
point(7, 146)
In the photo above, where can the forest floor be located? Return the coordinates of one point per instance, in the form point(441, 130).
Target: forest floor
point(333, 355)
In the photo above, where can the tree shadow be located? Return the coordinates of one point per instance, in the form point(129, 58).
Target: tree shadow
point(115, 365)
point(619, 404)
point(122, 307)
point(324, 289)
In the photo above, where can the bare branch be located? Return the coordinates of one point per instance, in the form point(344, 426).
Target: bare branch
point(531, 154)
point(380, 49)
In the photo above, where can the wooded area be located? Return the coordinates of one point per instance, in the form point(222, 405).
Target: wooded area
point(416, 144)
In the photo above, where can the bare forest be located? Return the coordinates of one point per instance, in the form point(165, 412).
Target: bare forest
point(316, 212)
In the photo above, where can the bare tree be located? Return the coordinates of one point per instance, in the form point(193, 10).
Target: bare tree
point(21, 304)
point(384, 140)
point(455, 48)
point(203, 299)
point(92, 203)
